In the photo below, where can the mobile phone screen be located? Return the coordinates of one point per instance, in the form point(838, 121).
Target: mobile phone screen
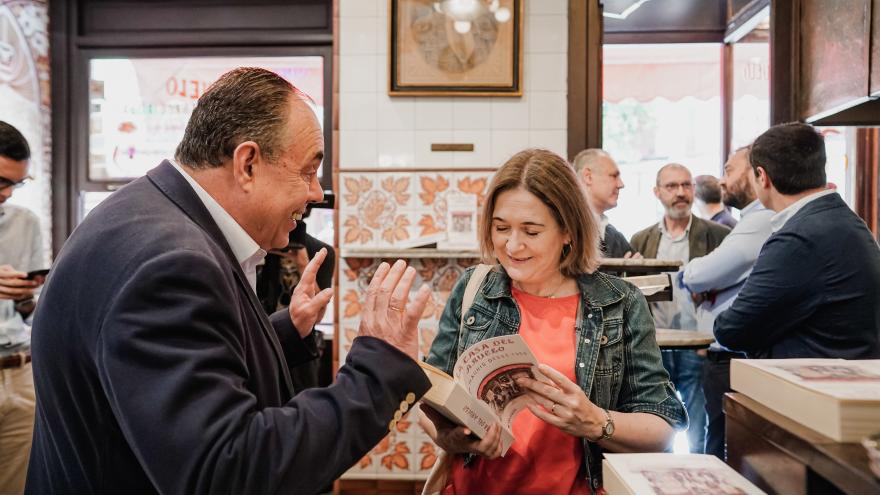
point(37, 273)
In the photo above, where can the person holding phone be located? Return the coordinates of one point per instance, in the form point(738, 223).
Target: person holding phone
point(21, 251)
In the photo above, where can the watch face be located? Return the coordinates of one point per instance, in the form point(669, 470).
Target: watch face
point(609, 429)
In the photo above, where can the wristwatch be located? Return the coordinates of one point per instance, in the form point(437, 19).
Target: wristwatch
point(608, 428)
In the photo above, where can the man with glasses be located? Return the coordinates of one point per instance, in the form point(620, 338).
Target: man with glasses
point(681, 236)
point(20, 252)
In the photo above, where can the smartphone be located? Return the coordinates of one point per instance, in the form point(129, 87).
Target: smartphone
point(33, 275)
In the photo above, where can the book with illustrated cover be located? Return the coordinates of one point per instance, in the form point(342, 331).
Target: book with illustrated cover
point(672, 474)
point(484, 389)
point(843, 395)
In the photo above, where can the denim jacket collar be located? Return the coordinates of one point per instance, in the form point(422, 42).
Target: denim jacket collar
point(602, 291)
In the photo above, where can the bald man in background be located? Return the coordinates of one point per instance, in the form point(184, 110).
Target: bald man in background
point(600, 176)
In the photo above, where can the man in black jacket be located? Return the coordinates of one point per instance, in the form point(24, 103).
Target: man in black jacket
point(814, 290)
point(156, 368)
point(600, 176)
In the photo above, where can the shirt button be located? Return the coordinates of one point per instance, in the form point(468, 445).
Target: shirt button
point(590, 315)
point(586, 341)
point(404, 406)
point(603, 340)
point(470, 320)
point(581, 365)
point(410, 397)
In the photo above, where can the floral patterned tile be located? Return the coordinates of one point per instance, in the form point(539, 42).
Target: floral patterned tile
point(401, 210)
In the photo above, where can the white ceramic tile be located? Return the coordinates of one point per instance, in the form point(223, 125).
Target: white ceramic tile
point(395, 113)
point(548, 110)
point(357, 111)
point(427, 158)
point(382, 74)
point(547, 72)
point(482, 154)
point(550, 140)
point(538, 7)
point(359, 8)
point(396, 148)
point(510, 113)
point(471, 113)
point(506, 144)
point(357, 149)
point(381, 28)
point(381, 8)
point(547, 34)
point(357, 35)
point(357, 73)
point(434, 113)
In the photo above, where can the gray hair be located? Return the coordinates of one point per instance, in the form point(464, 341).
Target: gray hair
point(589, 158)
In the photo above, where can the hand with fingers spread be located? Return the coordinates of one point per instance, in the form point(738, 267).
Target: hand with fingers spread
point(387, 315)
point(308, 301)
point(13, 284)
point(456, 439)
point(564, 405)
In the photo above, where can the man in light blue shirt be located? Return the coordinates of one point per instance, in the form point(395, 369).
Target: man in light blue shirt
point(20, 252)
point(714, 281)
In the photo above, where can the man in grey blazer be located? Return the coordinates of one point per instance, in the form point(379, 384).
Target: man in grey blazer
point(157, 370)
point(681, 236)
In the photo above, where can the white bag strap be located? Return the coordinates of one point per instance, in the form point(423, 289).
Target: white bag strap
point(470, 293)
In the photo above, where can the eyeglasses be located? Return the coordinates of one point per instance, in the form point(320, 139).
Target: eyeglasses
point(673, 186)
point(4, 182)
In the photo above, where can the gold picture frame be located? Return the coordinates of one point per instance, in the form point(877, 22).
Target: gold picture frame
point(455, 47)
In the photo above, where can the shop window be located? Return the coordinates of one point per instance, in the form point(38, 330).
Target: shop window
point(662, 104)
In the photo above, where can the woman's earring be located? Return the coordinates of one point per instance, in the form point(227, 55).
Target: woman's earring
point(566, 250)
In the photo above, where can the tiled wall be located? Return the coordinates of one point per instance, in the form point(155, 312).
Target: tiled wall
point(396, 207)
point(407, 452)
point(377, 130)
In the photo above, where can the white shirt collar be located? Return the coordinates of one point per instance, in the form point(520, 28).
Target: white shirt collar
point(245, 249)
point(686, 229)
point(778, 220)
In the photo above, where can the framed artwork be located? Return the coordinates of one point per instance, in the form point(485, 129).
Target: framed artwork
point(455, 47)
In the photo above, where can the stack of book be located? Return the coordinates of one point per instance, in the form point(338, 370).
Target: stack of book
point(835, 397)
point(665, 474)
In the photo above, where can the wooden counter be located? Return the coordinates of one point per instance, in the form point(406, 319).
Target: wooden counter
point(781, 456)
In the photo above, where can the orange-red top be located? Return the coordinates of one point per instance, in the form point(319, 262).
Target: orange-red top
point(542, 459)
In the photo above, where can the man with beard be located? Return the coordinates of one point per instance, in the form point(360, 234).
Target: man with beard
point(681, 236)
point(814, 289)
point(714, 281)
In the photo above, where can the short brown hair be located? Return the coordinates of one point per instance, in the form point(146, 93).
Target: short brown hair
point(245, 104)
point(552, 180)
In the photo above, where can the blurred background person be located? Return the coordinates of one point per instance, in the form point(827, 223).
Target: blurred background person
point(600, 176)
point(21, 251)
point(708, 199)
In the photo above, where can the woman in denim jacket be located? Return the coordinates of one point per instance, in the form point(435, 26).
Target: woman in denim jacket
point(592, 333)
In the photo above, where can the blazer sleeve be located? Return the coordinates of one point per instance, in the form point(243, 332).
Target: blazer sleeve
point(297, 350)
point(169, 357)
point(777, 297)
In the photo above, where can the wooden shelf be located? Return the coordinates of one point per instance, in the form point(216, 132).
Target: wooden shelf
point(408, 253)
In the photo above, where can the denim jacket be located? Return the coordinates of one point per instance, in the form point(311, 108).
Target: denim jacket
point(617, 363)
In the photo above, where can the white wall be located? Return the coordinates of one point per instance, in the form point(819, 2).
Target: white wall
point(377, 130)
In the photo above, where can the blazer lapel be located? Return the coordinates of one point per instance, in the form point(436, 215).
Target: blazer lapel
point(168, 180)
point(698, 244)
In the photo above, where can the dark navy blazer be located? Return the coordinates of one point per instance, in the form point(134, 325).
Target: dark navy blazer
point(814, 290)
point(157, 371)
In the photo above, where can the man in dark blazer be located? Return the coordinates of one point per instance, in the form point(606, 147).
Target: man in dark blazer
point(815, 288)
point(156, 369)
point(681, 236)
point(600, 177)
